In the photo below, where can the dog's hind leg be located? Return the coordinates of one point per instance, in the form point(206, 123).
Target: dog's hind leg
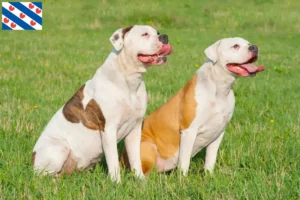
point(148, 155)
point(54, 158)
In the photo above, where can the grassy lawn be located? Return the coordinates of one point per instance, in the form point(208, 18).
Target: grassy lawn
point(41, 70)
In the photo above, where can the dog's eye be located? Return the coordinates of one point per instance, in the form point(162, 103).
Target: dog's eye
point(158, 33)
point(236, 46)
point(145, 34)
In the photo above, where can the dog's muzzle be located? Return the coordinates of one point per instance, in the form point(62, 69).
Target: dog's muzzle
point(160, 57)
point(163, 38)
point(253, 49)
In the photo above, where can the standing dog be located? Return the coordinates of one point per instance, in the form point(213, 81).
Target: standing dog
point(196, 117)
point(108, 108)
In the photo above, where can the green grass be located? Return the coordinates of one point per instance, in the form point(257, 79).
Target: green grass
point(41, 70)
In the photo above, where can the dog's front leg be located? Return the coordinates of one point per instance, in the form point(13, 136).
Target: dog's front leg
point(133, 143)
point(211, 153)
point(187, 140)
point(109, 141)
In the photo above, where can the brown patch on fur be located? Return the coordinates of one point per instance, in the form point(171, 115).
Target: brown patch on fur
point(125, 30)
point(162, 128)
point(33, 157)
point(148, 155)
point(73, 108)
point(188, 104)
point(69, 165)
point(91, 117)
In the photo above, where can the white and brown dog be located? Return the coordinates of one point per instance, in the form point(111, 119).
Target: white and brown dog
point(106, 109)
point(196, 117)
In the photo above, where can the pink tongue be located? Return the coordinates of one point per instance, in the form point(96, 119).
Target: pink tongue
point(146, 58)
point(165, 50)
point(252, 69)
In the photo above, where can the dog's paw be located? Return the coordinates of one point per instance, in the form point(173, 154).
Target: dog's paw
point(116, 179)
point(208, 171)
point(140, 175)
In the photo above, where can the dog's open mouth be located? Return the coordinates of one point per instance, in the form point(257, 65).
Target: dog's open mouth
point(158, 58)
point(245, 69)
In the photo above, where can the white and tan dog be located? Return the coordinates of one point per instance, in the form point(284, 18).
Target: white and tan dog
point(108, 108)
point(196, 117)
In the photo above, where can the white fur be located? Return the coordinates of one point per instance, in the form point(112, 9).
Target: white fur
point(215, 100)
point(119, 89)
point(119, 42)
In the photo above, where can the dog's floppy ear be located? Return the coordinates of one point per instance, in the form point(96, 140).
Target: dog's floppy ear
point(117, 38)
point(212, 51)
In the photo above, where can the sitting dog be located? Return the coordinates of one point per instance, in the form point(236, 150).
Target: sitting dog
point(106, 109)
point(196, 117)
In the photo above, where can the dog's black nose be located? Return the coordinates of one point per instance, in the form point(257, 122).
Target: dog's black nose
point(163, 38)
point(253, 48)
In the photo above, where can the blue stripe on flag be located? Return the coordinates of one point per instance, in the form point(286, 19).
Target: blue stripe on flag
point(5, 27)
point(15, 19)
point(38, 4)
point(27, 12)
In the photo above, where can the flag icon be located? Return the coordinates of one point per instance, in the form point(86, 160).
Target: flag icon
point(22, 16)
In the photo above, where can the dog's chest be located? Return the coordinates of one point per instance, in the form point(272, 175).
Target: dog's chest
point(134, 109)
point(216, 117)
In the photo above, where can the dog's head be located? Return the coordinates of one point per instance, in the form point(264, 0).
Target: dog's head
point(143, 43)
point(235, 55)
